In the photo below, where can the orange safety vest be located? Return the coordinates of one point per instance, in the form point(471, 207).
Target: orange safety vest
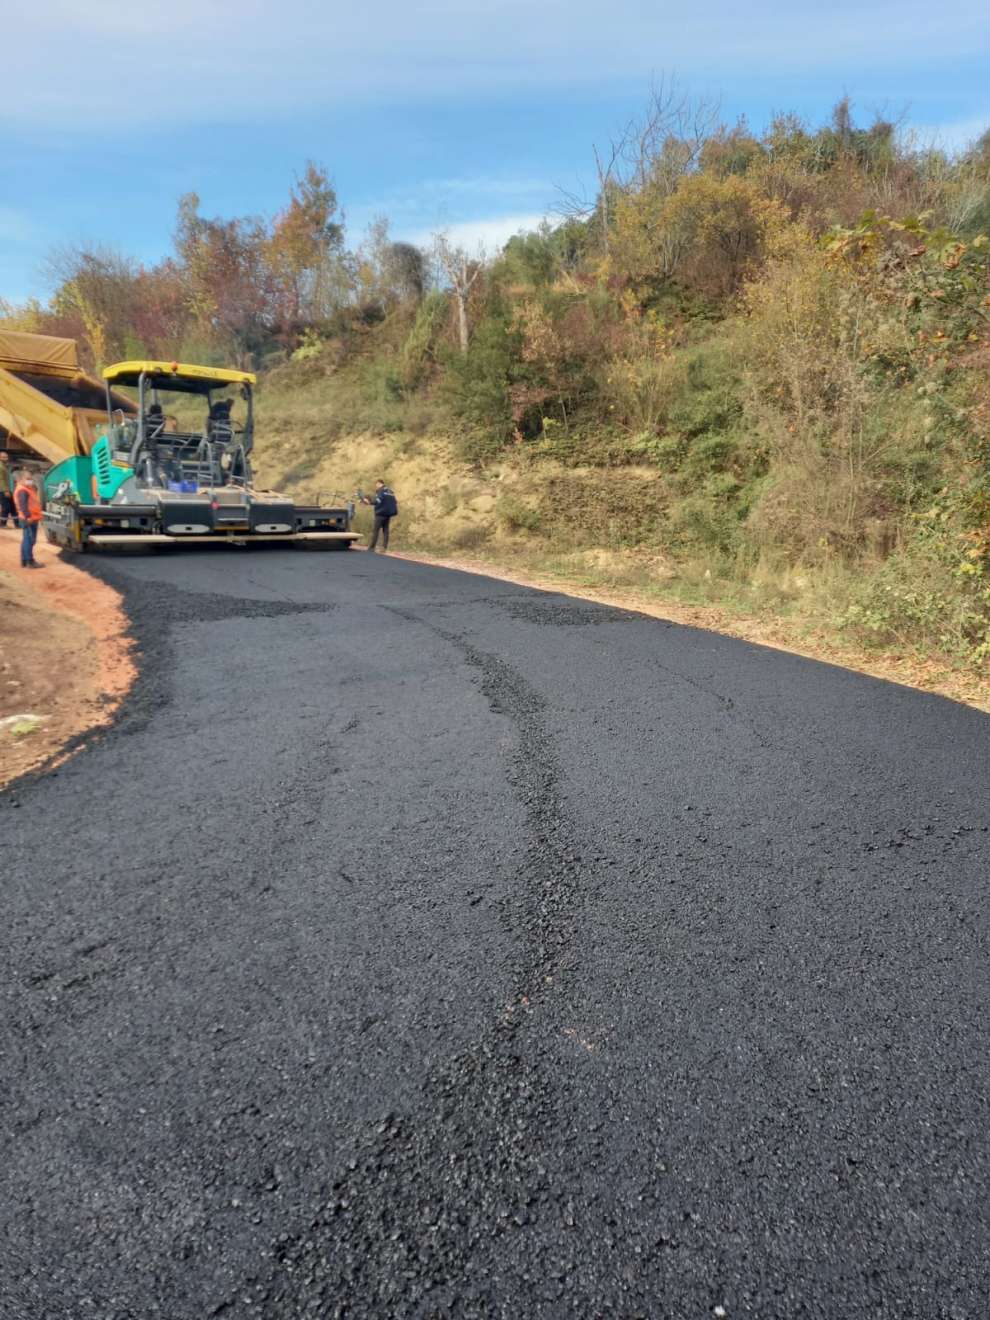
point(34, 504)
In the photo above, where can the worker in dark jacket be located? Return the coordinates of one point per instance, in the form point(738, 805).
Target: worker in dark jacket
point(28, 507)
point(385, 507)
point(6, 497)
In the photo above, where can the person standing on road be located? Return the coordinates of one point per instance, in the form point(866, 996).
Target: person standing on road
point(28, 507)
point(385, 507)
point(6, 499)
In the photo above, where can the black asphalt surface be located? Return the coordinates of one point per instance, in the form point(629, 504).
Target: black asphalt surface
point(419, 945)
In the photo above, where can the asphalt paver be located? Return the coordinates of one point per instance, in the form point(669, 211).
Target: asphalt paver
point(420, 945)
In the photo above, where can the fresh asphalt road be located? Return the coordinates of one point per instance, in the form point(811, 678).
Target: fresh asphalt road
point(420, 945)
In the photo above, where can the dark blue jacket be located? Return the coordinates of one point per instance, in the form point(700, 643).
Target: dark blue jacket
point(385, 504)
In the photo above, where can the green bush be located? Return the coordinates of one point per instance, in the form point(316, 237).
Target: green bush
point(381, 382)
point(707, 454)
point(421, 347)
point(477, 389)
point(516, 516)
point(704, 522)
point(928, 595)
point(710, 399)
point(668, 452)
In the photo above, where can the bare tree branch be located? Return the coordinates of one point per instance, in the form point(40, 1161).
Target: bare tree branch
point(462, 271)
point(659, 147)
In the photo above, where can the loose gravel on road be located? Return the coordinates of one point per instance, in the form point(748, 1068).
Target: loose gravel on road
point(417, 945)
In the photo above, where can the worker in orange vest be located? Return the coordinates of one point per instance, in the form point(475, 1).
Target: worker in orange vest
point(28, 508)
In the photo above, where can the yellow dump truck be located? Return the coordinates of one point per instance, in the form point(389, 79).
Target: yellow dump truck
point(49, 407)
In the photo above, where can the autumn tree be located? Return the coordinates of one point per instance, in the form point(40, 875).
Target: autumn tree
point(29, 316)
point(389, 273)
point(160, 317)
point(545, 350)
point(303, 252)
point(94, 295)
point(710, 234)
point(731, 151)
point(656, 148)
point(463, 273)
point(534, 259)
point(227, 276)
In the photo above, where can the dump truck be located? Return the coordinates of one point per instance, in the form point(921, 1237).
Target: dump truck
point(155, 477)
point(49, 407)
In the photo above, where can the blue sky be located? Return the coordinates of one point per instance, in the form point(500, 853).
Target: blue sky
point(464, 116)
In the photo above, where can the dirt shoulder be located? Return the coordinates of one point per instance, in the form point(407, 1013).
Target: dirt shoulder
point(784, 635)
point(65, 658)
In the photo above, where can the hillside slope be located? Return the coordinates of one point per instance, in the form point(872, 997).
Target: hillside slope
point(598, 530)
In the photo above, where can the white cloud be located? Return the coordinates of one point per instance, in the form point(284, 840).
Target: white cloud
point(75, 65)
point(474, 210)
point(488, 235)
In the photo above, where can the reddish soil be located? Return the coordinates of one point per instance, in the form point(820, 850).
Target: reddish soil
point(64, 656)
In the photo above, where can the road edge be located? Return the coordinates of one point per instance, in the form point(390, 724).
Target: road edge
point(940, 680)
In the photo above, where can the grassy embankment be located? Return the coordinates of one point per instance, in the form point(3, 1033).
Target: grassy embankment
point(613, 529)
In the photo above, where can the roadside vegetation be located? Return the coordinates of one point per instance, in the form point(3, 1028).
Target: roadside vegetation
point(753, 370)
